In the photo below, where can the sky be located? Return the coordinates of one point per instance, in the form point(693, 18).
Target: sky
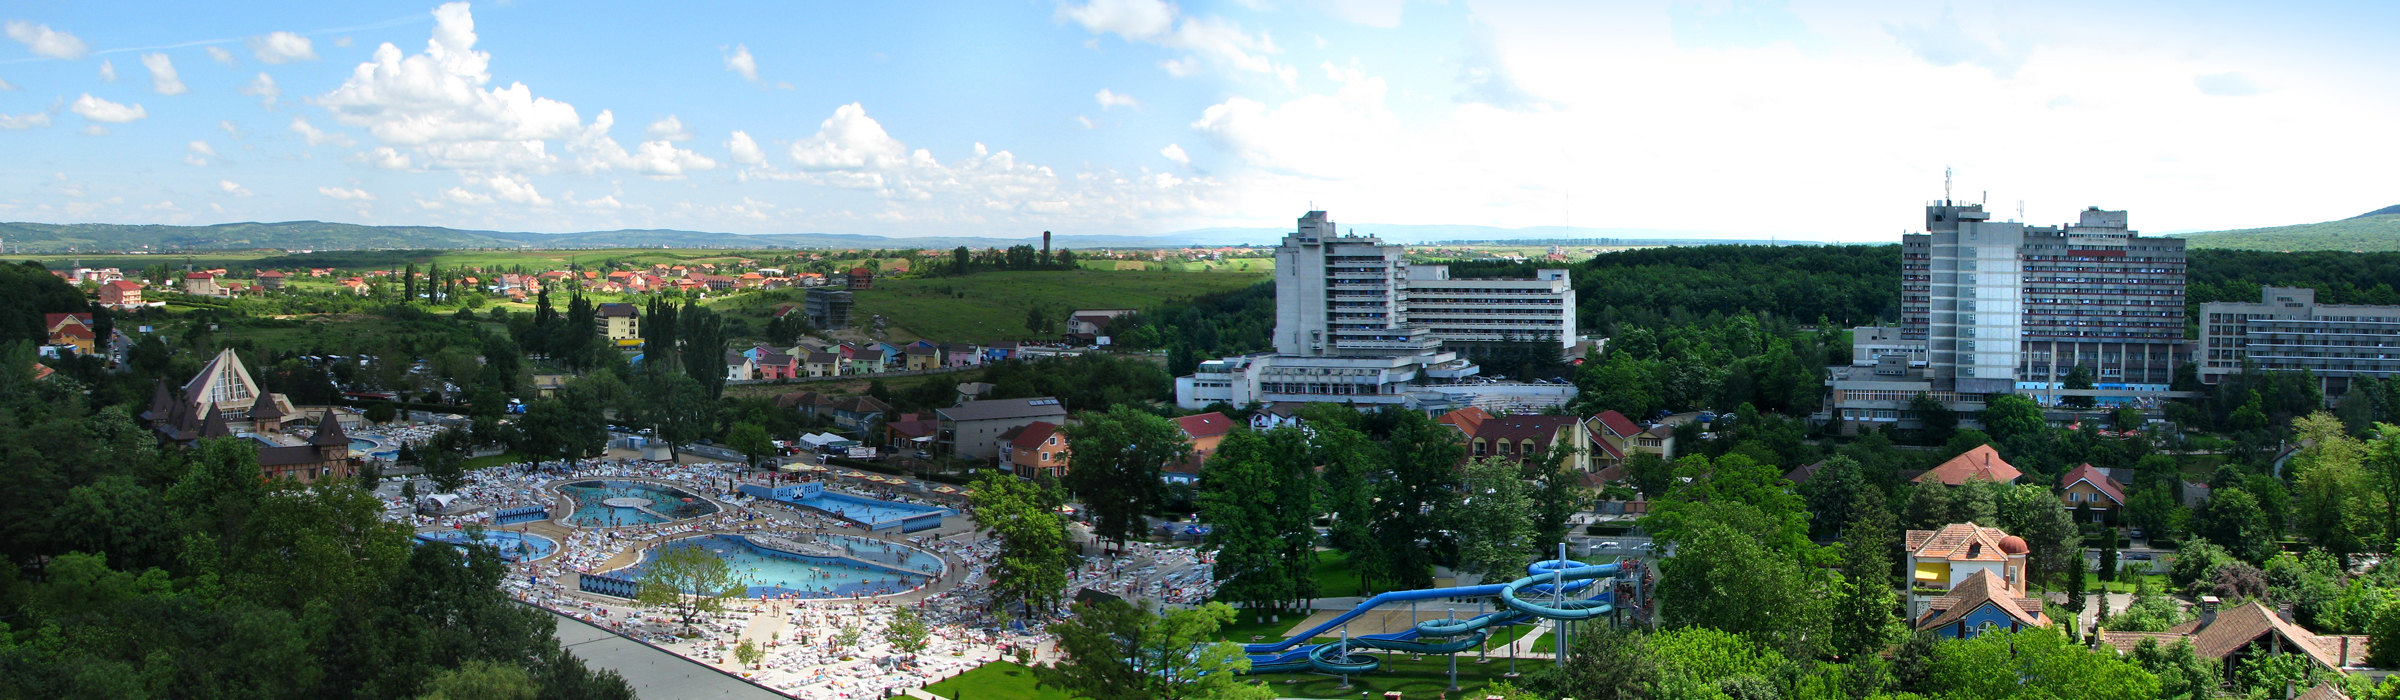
point(1832, 120)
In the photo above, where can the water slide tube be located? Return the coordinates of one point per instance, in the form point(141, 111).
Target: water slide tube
point(1522, 599)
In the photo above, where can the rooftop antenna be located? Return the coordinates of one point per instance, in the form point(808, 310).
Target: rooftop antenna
point(2020, 210)
point(1945, 185)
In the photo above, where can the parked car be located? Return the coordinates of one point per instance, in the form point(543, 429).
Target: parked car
point(1609, 545)
point(2137, 556)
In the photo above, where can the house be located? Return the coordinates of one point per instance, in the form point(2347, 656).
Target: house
point(622, 324)
point(2248, 630)
point(223, 398)
point(2088, 487)
point(859, 413)
point(911, 431)
point(1616, 439)
point(1087, 325)
point(739, 367)
point(201, 284)
point(1982, 603)
point(776, 365)
point(1275, 415)
point(962, 355)
point(1939, 561)
point(121, 294)
point(923, 358)
point(824, 364)
point(1000, 350)
point(272, 280)
point(71, 329)
point(1202, 432)
point(861, 278)
point(1038, 447)
point(1516, 437)
point(1980, 464)
point(971, 430)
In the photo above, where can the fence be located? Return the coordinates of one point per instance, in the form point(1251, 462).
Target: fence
point(607, 585)
point(520, 514)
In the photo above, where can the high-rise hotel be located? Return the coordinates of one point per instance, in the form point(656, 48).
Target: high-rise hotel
point(1356, 323)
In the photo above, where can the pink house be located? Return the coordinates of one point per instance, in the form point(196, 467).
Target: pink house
point(778, 366)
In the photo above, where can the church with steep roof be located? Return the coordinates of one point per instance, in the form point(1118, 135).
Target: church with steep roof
point(223, 401)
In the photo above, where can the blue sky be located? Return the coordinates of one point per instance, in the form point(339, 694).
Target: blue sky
point(1833, 120)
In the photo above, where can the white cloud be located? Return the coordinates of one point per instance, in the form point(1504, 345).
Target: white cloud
point(162, 74)
point(343, 42)
point(108, 71)
point(231, 129)
point(1374, 13)
point(319, 137)
point(198, 153)
point(386, 158)
point(514, 189)
point(607, 202)
point(223, 56)
point(657, 159)
point(434, 104)
point(2226, 85)
point(44, 41)
point(95, 130)
point(1316, 135)
point(348, 195)
point(1175, 153)
point(1112, 99)
point(282, 47)
point(264, 88)
point(100, 110)
point(14, 122)
point(232, 188)
point(668, 129)
point(849, 140)
point(1945, 42)
point(741, 62)
point(1212, 40)
point(6, 86)
point(1484, 76)
point(1085, 122)
point(745, 151)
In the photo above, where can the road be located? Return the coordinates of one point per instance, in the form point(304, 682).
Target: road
point(653, 673)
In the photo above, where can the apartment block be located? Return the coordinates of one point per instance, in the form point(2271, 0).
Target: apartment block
point(2288, 330)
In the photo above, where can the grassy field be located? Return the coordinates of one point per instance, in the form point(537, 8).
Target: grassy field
point(1415, 678)
point(2364, 234)
point(1235, 265)
point(998, 680)
point(992, 305)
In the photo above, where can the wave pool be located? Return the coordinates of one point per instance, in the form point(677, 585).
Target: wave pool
point(513, 546)
point(620, 503)
point(862, 567)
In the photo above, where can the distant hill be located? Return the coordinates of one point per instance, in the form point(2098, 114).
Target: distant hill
point(2375, 231)
point(320, 235)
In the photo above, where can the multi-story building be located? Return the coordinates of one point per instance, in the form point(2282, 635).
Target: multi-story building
point(2288, 330)
point(622, 323)
point(972, 429)
point(828, 309)
point(1355, 323)
point(2003, 306)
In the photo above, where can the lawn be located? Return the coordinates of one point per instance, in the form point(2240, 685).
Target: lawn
point(1415, 678)
point(1334, 577)
point(992, 305)
point(2158, 582)
point(998, 680)
point(474, 463)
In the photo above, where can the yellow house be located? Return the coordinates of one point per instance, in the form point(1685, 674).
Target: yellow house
point(1940, 560)
point(2088, 487)
point(622, 324)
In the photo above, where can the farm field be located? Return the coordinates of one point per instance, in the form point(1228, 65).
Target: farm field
point(1231, 265)
point(992, 305)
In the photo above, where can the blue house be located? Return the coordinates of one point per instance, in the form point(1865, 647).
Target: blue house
point(1984, 602)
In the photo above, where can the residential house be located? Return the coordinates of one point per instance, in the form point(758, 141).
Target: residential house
point(1616, 439)
point(962, 355)
point(1000, 350)
point(776, 365)
point(1202, 431)
point(1275, 415)
point(272, 280)
point(1516, 437)
point(739, 367)
point(622, 323)
point(912, 431)
point(922, 358)
point(2249, 630)
point(1980, 464)
point(824, 364)
point(859, 413)
point(1087, 325)
point(1939, 561)
point(356, 286)
point(861, 278)
point(1034, 448)
point(1982, 603)
point(121, 294)
point(70, 330)
point(201, 284)
point(2086, 487)
point(971, 430)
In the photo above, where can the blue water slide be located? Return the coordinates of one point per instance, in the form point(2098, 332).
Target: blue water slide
point(1523, 599)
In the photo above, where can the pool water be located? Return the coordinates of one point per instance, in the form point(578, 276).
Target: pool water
point(865, 510)
point(766, 572)
point(367, 447)
point(513, 546)
point(666, 503)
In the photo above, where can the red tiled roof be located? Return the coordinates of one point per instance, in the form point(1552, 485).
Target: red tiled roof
point(1619, 424)
point(125, 285)
point(2099, 480)
point(1204, 425)
point(1466, 420)
point(1033, 434)
point(1980, 588)
point(1958, 542)
point(1982, 463)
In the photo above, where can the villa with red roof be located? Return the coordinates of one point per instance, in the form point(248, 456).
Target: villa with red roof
point(2088, 487)
point(1965, 578)
point(1038, 447)
point(1616, 439)
point(1203, 432)
point(1980, 464)
point(121, 294)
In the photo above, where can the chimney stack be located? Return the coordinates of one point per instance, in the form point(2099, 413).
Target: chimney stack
point(2208, 611)
point(1045, 244)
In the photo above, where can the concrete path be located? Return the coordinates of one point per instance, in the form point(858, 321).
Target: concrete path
point(653, 673)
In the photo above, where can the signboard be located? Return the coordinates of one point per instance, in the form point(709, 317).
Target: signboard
point(1102, 340)
point(862, 453)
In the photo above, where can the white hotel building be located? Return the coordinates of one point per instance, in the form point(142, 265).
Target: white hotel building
point(1355, 323)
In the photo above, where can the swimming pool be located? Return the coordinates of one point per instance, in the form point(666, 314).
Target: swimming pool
point(369, 448)
point(617, 503)
point(513, 546)
point(767, 572)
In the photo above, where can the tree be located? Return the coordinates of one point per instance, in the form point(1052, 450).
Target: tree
point(2232, 517)
point(1113, 651)
point(1863, 619)
point(482, 680)
point(749, 654)
point(1557, 495)
point(2008, 417)
point(1605, 663)
point(1725, 578)
point(1937, 417)
point(751, 441)
point(2383, 645)
point(1346, 460)
point(907, 633)
point(1495, 520)
point(1031, 567)
point(1257, 496)
point(2080, 377)
point(380, 412)
point(687, 580)
point(1115, 464)
point(2034, 663)
point(1416, 491)
point(2182, 673)
point(2333, 491)
point(443, 459)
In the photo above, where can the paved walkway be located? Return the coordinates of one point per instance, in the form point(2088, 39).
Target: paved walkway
point(653, 673)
